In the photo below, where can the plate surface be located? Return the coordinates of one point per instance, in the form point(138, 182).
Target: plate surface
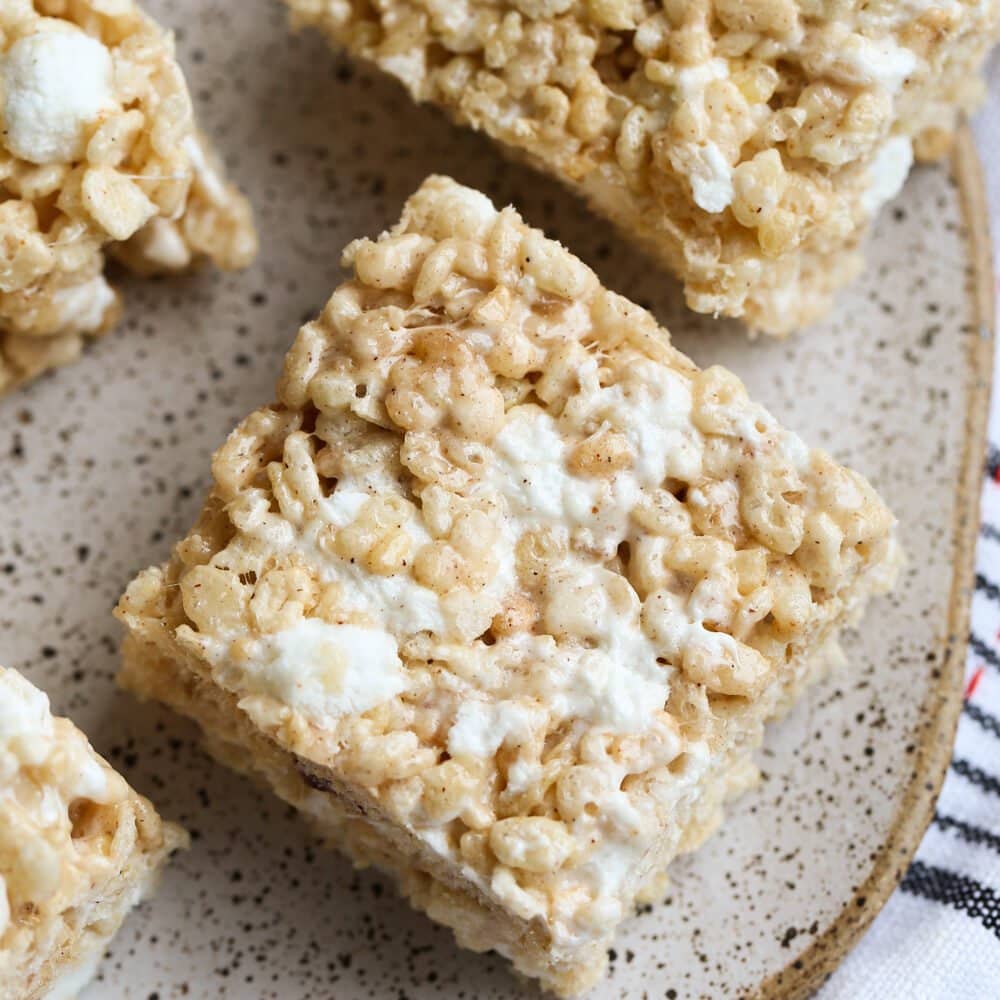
point(103, 465)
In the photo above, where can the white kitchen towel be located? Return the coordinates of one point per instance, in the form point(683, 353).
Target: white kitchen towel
point(938, 937)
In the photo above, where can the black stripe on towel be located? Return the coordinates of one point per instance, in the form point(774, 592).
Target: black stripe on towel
point(987, 782)
point(968, 831)
point(992, 462)
point(991, 532)
point(986, 653)
point(958, 891)
point(987, 587)
point(983, 718)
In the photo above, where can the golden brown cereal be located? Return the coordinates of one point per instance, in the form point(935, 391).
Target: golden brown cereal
point(746, 143)
point(502, 595)
point(100, 155)
point(78, 848)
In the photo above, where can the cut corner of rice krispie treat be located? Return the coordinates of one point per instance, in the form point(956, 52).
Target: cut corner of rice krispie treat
point(78, 848)
point(99, 155)
point(748, 144)
point(503, 588)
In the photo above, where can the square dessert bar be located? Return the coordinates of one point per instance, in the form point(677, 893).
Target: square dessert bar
point(502, 589)
point(99, 154)
point(746, 143)
point(78, 848)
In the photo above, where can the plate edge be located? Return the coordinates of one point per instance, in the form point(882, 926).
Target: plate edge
point(940, 711)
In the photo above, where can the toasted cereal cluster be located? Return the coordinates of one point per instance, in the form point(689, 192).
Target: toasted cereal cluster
point(748, 143)
point(70, 830)
point(504, 562)
point(99, 153)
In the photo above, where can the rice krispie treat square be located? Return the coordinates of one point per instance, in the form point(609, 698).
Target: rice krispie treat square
point(78, 848)
point(99, 155)
point(502, 589)
point(746, 143)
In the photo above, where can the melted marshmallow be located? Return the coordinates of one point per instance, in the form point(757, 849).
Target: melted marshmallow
point(863, 60)
point(651, 406)
point(709, 172)
point(208, 177)
point(396, 603)
point(530, 474)
point(55, 84)
point(888, 172)
point(531, 480)
point(25, 721)
point(711, 177)
point(326, 671)
point(481, 728)
point(84, 307)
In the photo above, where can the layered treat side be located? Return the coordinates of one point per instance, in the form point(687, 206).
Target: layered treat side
point(99, 156)
point(503, 588)
point(78, 848)
point(747, 143)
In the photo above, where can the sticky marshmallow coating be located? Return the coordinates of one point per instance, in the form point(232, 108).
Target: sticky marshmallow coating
point(78, 848)
point(99, 154)
point(507, 570)
point(735, 139)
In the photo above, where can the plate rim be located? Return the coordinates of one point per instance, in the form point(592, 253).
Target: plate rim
point(941, 709)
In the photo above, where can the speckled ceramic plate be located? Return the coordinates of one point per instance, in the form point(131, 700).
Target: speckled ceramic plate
point(104, 464)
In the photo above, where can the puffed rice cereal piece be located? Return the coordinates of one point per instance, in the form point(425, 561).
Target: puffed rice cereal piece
point(503, 588)
point(747, 144)
point(99, 155)
point(78, 848)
